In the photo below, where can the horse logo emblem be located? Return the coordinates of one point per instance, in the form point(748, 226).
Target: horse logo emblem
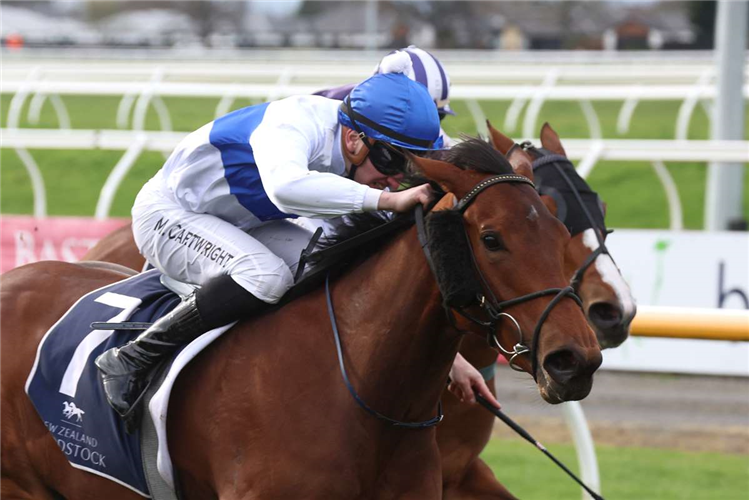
point(70, 410)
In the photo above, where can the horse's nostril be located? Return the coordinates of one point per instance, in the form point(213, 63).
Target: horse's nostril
point(604, 315)
point(561, 365)
point(567, 365)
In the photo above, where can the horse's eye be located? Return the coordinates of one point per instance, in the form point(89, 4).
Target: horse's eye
point(492, 241)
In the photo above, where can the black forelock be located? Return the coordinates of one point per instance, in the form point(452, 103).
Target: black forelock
point(476, 154)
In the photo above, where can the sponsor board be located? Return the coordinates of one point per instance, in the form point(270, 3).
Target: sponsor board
point(683, 269)
point(26, 239)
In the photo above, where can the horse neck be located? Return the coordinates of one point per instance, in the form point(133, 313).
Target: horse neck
point(395, 333)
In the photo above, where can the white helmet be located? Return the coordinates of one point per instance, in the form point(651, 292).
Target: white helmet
point(423, 67)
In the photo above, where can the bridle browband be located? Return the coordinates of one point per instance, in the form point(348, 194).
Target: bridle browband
point(544, 158)
point(487, 301)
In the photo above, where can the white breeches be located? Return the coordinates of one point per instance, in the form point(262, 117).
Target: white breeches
point(194, 248)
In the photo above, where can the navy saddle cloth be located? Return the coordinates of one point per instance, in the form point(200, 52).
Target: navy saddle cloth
point(64, 383)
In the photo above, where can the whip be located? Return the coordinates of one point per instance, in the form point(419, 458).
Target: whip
point(524, 434)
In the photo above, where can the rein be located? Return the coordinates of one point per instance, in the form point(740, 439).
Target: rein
point(397, 423)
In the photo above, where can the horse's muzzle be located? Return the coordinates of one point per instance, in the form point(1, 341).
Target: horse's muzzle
point(568, 373)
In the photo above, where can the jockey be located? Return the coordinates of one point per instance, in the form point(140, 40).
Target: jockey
point(420, 66)
point(213, 215)
point(196, 220)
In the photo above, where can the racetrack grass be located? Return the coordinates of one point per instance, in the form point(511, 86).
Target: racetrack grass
point(626, 473)
point(631, 190)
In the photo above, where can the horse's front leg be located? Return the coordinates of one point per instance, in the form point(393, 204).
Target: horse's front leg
point(478, 483)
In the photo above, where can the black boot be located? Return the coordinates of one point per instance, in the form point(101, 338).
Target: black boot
point(123, 370)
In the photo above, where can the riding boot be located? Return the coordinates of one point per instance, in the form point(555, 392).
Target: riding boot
point(123, 370)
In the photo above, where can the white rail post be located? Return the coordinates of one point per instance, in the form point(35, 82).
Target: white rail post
point(117, 175)
point(479, 118)
point(14, 116)
point(725, 180)
point(586, 452)
point(675, 214)
point(534, 108)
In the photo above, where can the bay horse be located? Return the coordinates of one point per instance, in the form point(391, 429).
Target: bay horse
point(117, 247)
point(608, 304)
point(466, 429)
point(280, 422)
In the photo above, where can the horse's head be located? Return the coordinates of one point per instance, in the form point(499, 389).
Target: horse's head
point(607, 299)
point(498, 254)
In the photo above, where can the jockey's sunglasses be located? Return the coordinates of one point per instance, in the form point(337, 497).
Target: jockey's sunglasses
point(387, 159)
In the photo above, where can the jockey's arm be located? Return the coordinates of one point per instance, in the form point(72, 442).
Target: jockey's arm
point(283, 151)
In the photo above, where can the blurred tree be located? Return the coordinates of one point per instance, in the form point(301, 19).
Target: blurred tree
point(311, 8)
point(455, 22)
point(204, 13)
point(44, 6)
point(29, 4)
point(99, 10)
point(702, 14)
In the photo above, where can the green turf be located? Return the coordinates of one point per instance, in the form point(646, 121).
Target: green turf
point(626, 473)
point(631, 190)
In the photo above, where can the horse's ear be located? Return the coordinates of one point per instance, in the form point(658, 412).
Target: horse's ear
point(447, 175)
point(447, 202)
point(550, 204)
point(521, 163)
point(550, 140)
point(501, 142)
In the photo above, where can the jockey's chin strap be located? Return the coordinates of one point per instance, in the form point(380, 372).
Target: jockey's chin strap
point(487, 301)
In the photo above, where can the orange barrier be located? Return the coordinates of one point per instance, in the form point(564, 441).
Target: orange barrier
point(691, 323)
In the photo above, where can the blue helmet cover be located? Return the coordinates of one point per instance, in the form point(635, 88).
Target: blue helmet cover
point(397, 103)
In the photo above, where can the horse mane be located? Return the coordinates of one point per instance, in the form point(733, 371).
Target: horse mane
point(353, 225)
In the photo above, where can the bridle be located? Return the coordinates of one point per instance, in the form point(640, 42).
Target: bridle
point(487, 301)
point(544, 158)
